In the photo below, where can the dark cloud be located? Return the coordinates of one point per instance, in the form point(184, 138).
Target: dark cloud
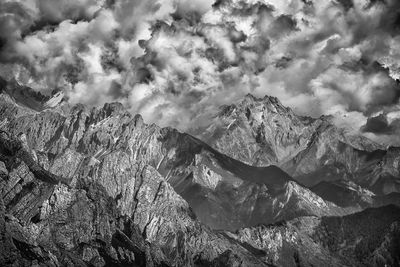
point(115, 91)
point(15, 20)
point(347, 4)
point(378, 125)
point(390, 19)
point(283, 24)
point(384, 128)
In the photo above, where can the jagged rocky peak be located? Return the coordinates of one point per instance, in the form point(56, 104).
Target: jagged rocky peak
point(251, 104)
point(114, 108)
point(262, 131)
point(259, 131)
point(107, 112)
point(270, 102)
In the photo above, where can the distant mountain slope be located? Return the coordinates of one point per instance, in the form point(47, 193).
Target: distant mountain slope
point(330, 156)
point(345, 193)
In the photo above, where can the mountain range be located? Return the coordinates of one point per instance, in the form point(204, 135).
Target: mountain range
point(259, 186)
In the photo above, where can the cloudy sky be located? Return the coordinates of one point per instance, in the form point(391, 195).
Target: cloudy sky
point(176, 61)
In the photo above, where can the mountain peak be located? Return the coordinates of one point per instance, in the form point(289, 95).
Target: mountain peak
point(114, 108)
point(271, 104)
point(251, 97)
point(251, 104)
point(258, 131)
point(267, 99)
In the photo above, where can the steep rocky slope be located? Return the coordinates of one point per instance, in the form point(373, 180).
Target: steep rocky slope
point(48, 220)
point(223, 192)
point(261, 132)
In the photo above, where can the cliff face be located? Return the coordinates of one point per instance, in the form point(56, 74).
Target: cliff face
point(99, 187)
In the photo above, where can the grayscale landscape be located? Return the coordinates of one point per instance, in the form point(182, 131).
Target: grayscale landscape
point(200, 133)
